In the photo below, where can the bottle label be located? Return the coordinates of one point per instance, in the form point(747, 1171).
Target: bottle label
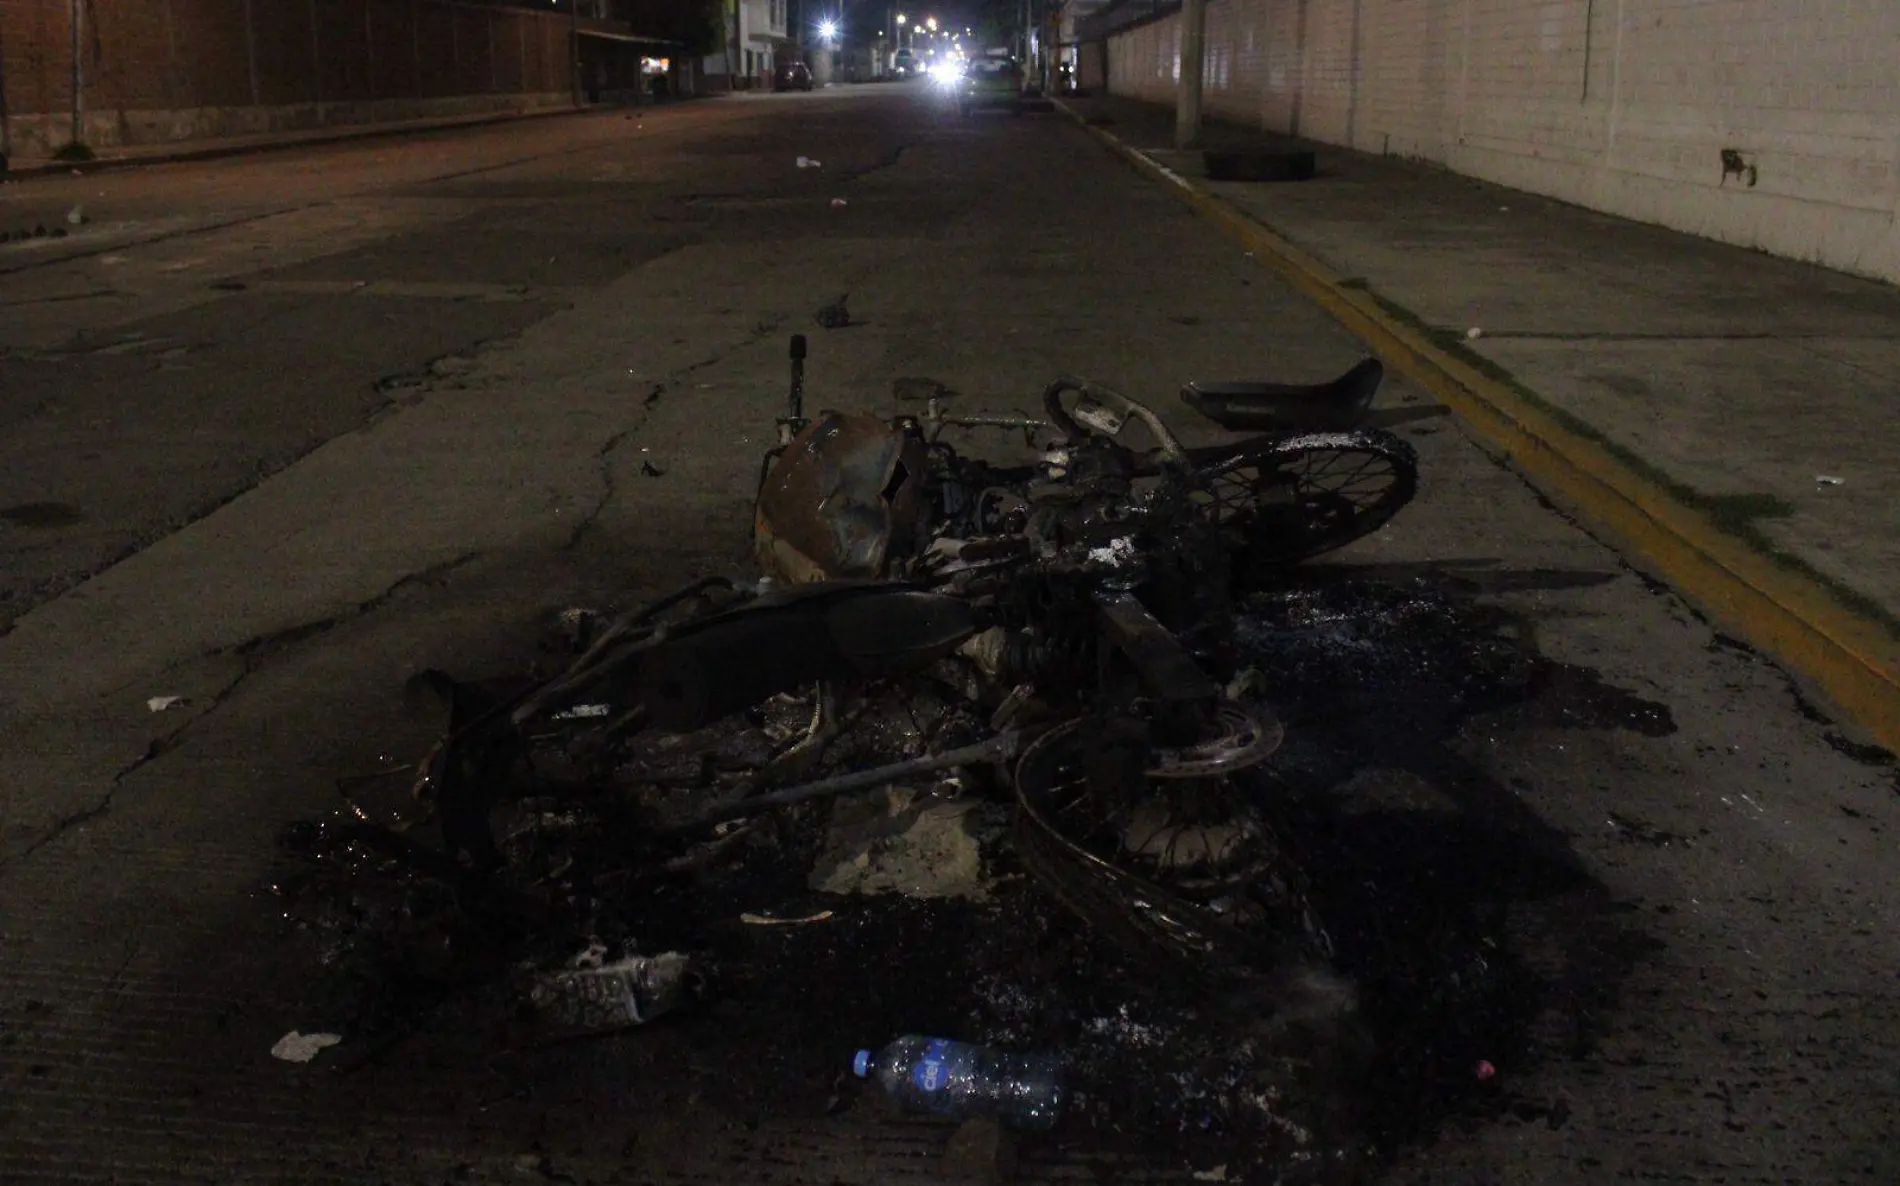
point(933, 1069)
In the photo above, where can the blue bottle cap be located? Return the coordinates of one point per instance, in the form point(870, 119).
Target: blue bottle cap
point(862, 1064)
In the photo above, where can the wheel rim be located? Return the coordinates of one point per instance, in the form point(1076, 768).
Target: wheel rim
point(1185, 871)
point(1242, 740)
point(1293, 503)
point(1193, 829)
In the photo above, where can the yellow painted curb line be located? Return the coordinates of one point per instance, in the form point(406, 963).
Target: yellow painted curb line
point(1853, 657)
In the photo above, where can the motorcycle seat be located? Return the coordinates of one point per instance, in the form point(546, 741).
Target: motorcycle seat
point(1289, 407)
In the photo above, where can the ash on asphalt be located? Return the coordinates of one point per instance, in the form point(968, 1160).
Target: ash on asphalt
point(1468, 943)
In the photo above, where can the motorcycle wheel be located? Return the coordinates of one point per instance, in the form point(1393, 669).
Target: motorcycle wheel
point(1189, 870)
point(1294, 499)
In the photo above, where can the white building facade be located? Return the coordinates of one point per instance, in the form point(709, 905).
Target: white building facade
point(758, 42)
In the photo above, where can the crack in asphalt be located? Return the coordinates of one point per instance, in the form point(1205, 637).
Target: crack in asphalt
point(164, 237)
point(155, 749)
point(253, 652)
point(884, 162)
point(603, 461)
point(263, 645)
point(394, 388)
point(53, 587)
point(432, 372)
point(604, 456)
point(56, 300)
point(134, 943)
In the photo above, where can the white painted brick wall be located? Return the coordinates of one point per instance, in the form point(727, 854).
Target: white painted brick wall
point(1408, 80)
point(1622, 105)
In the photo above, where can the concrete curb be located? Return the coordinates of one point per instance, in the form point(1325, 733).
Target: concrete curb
point(315, 139)
point(1854, 657)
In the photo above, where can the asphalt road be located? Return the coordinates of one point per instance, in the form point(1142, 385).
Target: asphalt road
point(281, 430)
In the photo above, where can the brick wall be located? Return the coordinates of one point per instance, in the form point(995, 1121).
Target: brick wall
point(161, 70)
point(1622, 105)
point(280, 39)
point(439, 70)
point(33, 55)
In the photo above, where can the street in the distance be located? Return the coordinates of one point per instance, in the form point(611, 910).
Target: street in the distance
point(1609, 894)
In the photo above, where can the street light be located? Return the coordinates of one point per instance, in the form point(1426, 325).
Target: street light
point(828, 30)
point(932, 24)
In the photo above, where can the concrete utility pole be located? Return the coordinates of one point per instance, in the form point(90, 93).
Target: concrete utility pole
point(1187, 99)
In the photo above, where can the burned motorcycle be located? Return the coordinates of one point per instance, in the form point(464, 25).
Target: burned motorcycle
point(1104, 573)
point(1069, 615)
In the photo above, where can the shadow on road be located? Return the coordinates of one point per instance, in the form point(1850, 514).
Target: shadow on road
point(1469, 933)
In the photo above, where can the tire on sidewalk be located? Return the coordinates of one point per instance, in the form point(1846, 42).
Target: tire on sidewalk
point(1261, 165)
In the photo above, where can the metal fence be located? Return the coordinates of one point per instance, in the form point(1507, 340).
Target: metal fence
point(1118, 15)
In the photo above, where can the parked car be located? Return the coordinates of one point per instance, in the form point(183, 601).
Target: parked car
point(794, 77)
point(990, 83)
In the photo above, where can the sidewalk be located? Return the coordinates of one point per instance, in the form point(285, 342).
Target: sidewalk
point(174, 151)
point(1694, 398)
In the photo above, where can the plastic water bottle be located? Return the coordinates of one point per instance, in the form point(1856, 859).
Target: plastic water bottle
point(960, 1080)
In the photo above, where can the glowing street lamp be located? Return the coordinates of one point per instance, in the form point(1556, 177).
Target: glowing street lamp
point(931, 23)
point(828, 30)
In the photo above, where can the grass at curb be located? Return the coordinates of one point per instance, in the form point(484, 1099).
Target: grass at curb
point(1740, 515)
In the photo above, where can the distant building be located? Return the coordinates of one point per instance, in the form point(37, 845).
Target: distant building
point(628, 52)
point(859, 63)
point(759, 41)
point(239, 67)
point(1071, 46)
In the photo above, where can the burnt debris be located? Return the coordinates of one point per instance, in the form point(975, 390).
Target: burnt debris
point(1082, 686)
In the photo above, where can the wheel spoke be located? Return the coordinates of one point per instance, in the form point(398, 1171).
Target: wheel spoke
point(1338, 493)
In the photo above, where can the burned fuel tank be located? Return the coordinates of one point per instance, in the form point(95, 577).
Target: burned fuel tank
point(843, 501)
